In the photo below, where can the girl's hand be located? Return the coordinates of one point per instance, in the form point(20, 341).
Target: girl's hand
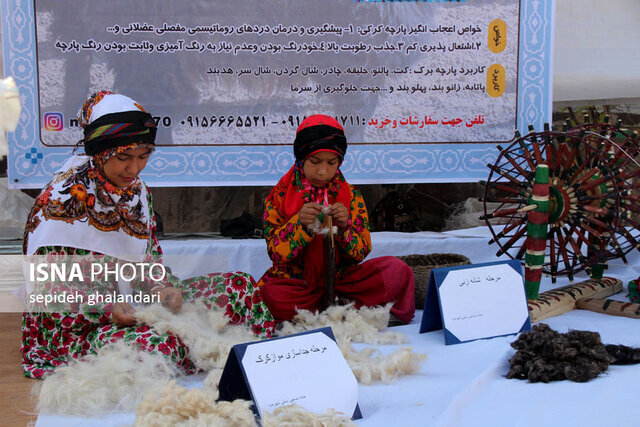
point(123, 314)
point(171, 298)
point(308, 213)
point(340, 215)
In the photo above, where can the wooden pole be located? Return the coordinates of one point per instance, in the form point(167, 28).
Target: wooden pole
point(330, 266)
point(537, 227)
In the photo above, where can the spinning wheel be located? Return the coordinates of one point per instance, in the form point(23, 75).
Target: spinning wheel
point(594, 206)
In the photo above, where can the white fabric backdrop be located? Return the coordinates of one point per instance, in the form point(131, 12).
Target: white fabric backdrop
point(596, 53)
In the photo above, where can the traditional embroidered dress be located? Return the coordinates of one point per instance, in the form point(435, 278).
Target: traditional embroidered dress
point(81, 213)
point(296, 279)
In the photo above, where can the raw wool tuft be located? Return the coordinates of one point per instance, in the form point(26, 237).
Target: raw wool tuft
point(544, 354)
point(364, 325)
point(369, 365)
point(317, 227)
point(467, 214)
point(113, 380)
point(213, 379)
point(116, 379)
point(348, 324)
point(294, 415)
point(177, 405)
point(206, 332)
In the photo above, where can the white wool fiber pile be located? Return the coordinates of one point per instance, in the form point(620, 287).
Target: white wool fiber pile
point(113, 380)
point(348, 324)
point(369, 365)
point(206, 332)
point(178, 406)
point(175, 405)
point(294, 415)
point(365, 325)
point(117, 378)
point(213, 379)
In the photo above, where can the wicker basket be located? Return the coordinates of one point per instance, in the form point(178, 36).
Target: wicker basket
point(422, 266)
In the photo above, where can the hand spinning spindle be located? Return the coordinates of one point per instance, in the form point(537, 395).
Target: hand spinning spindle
point(330, 264)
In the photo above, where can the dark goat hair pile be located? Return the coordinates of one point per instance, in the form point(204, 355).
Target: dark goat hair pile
point(547, 355)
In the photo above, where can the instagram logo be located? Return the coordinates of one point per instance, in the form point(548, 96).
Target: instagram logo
point(53, 121)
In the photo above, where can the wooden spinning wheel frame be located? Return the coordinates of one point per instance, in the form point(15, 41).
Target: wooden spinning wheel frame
point(594, 213)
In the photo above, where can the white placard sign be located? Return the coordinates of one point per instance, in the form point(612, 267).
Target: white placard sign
point(480, 301)
point(308, 370)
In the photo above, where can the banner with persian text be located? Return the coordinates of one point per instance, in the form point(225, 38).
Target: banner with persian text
point(424, 89)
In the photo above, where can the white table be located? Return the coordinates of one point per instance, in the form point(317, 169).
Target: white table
point(458, 385)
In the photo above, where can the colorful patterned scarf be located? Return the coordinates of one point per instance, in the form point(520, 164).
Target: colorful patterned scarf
point(80, 208)
point(111, 120)
point(300, 191)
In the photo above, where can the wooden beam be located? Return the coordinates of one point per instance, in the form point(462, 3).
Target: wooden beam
point(610, 306)
point(561, 300)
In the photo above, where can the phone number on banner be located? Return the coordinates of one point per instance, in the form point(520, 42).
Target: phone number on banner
point(248, 121)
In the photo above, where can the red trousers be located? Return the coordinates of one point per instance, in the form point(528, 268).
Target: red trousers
point(374, 282)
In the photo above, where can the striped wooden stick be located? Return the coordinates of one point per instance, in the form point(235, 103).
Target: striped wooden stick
point(561, 300)
point(610, 306)
point(537, 227)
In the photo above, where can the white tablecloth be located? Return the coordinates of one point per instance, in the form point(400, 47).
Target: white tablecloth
point(190, 257)
point(458, 385)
